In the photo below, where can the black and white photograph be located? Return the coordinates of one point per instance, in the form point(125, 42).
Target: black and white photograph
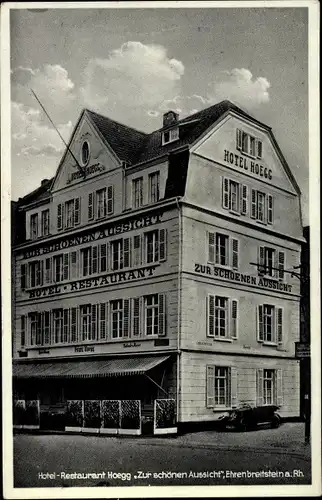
point(160, 235)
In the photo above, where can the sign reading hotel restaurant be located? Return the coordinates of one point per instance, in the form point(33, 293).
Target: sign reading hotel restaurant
point(218, 272)
point(85, 284)
point(88, 237)
point(247, 164)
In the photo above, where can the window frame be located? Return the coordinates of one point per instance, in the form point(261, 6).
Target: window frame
point(137, 192)
point(34, 229)
point(45, 222)
point(154, 187)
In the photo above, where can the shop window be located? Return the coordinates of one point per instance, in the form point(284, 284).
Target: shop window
point(269, 387)
point(270, 324)
point(222, 317)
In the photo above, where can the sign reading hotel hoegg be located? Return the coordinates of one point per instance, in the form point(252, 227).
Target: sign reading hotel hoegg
point(247, 164)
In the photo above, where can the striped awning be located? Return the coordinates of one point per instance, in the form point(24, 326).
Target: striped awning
point(113, 367)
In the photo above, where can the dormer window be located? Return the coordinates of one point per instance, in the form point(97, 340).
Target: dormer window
point(85, 153)
point(170, 135)
point(249, 145)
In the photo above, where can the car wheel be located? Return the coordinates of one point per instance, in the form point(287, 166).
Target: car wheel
point(276, 421)
point(242, 425)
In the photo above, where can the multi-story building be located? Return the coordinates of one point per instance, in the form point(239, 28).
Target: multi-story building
point(159, 259)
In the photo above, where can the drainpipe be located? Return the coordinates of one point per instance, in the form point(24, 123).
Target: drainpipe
point(179, 207)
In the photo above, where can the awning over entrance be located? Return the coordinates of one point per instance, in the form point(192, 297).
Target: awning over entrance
point(86, 369)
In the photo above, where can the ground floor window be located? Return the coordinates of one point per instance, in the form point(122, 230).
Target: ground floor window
point(221, 386)
point(269, 387)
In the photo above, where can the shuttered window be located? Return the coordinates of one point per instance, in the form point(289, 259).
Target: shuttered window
point(235, 253)
point(48, 270)
point(269, 324)
point(162, 315)
point(66, 267)
point(239, 138)
point(222, 317)
point(223, 250)
point(73, 264)
point(279, 325)
point(155, 314)
point(221, 387)
point(77, 217)
point(269, 387)
point(103, 257)
point(94, 259)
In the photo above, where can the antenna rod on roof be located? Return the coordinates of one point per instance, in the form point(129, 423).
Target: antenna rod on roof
point(42, 107)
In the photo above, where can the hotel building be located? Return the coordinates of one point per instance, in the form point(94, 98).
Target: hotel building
point(152, 266)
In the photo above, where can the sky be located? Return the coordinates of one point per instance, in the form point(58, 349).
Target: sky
point(134, 64)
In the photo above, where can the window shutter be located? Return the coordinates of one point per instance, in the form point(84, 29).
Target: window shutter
point(211, 316)
point(137, 250)
point(225, 192)
point(66, 325)
point(103, 257)
point(233, 387)
point(261, 261)
point(102, 320)
point(234, 319)
point(269, 209)
point(253, 213)
point(279, 325)
point(110, 200)
point(73, 264)
point(40, 273)
point(22, 331)
point(259, 387)
point(94, 259)
point(235, 253)
point(162, 244)
point(259, 148)
point(126, 318)
point(90, 206)
point(260, 324)
point(244, 199)
point(210, 386)
point(162, 315)
point(66, 267)
point(46, 327)
point(279, 388)
point(281, 263)
point(127, 252)
point(238, 138)
point(60, 216)
point(137, 316)
point(211, 247)
point(23, 276)
point(93, 322)
point(77, 211)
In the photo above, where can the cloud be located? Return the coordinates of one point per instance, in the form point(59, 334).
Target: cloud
point(240, 86)
point(28, 128)
point(132, 76)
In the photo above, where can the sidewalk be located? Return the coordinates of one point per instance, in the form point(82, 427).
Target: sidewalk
point(288, 438)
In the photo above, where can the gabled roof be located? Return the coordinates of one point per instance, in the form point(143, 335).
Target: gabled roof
point(38, 194)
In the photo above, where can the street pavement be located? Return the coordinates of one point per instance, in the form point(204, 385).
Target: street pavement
point(265, 456)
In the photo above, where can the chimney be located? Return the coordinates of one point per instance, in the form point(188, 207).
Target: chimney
point(44, 181)
point(170, 118)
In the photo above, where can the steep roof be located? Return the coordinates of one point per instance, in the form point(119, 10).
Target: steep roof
point(40, 193)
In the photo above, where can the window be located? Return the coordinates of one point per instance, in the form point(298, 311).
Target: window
point(85, 153)
point(221, 387)
point(231, 195)
point(154, 194)
point(34, 226)
point(248, 144)
point(120, 311)
point(269, 387)
point(68, 214)
point(35, 273)
point(154, 314)
point(270, 324)
point(101, 203)
point(45, 222)
point(58, 268)
point(22, 331)
point(117, 254)
point(34, 327)
point(93, 259)
point(222, 321)
point(271, 262)
point(155, 245)
point(86, 255)
point(58, 325)
point(85, 320)
point(137, 192)
point(170, 136)
point(262, 206)
point(223, 250)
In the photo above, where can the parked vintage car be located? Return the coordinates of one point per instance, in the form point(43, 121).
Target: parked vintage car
point(247, 417)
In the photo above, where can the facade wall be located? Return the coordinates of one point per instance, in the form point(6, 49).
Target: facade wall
point(193, 406)
point(144, 173)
